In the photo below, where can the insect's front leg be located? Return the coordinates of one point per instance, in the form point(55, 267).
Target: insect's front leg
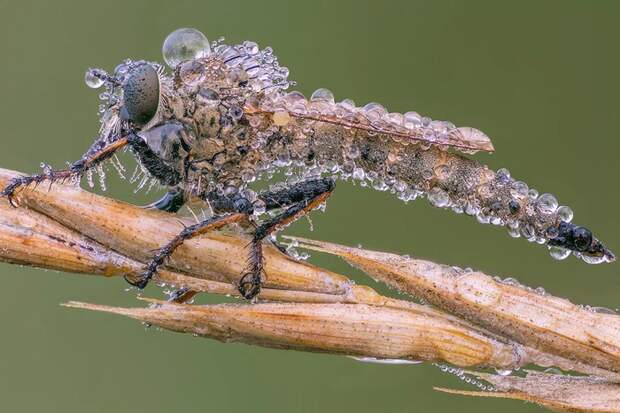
point(98, 153)
point(302, 198)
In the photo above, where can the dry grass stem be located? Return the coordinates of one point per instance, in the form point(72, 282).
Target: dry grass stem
point(477, 321)
point(350, 329)
point(551, 324)
point(555, 392)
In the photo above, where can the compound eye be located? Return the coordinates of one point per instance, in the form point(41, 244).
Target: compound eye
point(582, 238)
point(141, 94)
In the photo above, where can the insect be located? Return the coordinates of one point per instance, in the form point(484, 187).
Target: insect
point(223, 118)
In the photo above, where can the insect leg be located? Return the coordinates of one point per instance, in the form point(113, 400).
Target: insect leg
point(189, 232)
point(172, 201)
point(76, 169)
point(294, 194)
point(304, 197)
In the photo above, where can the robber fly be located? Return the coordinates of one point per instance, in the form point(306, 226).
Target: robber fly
point(223, 118)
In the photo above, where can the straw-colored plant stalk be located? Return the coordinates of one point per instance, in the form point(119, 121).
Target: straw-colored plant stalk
point(475, 322)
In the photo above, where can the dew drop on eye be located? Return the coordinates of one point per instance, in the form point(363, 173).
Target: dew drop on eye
point(185, 44)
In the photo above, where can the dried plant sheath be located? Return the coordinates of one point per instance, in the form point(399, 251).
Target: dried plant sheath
point(136, 232)
point(548, 323)
point(352, 329)
point(30, 238)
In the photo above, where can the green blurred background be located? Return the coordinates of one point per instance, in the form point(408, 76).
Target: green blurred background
point(539, 77)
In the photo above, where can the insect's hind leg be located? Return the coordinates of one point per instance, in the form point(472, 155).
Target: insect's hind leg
point(303, 198)
point(187, 233)
point(98, 153)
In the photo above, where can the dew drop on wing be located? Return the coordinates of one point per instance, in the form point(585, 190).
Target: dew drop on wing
point(322, 95)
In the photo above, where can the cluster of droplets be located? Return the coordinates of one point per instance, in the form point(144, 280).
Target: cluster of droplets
point(185, 50)
point(524, 211)
point(259, 66)
point(513, 282)
point(599, 310)
point(522, 201)
point(376, 119)
point(406, 129)
point(545, 205)
point(468, 378)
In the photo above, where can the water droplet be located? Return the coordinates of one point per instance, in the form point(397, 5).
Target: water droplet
point(358, 173)
point(192, 72)
point(384, 361)
point(558, 253)
point(394, 118)
point(438, 197)
point(412, 120)
point(528, 232)
point(591, 259)
point(185, 44)
point(565, 213)
point(353, 152)
point(503, 175)
point(519, 190)
point(94, 78)
point(348, 103)
point(322, 95)
point(250, 47)
point(547, 204)
point(471, 209)
point(514, 232)
point(604, 310)
point(540, 291)
point(502, 372)
point(374, 111)
point(294, 97)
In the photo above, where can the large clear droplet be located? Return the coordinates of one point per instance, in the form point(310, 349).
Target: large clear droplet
point(322, 95)
point(438, 197)
point(565, 213)
point(93, 78)
point(559, 253)
point(547, 204)
point(185, 44)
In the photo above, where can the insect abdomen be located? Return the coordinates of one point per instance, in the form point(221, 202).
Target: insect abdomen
point(447, 179)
